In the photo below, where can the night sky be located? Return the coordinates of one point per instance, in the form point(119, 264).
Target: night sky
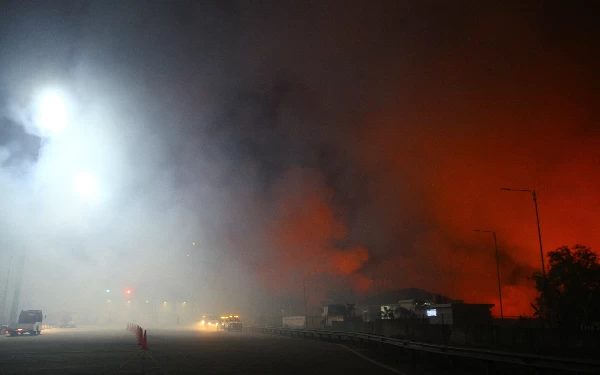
point(355, 144)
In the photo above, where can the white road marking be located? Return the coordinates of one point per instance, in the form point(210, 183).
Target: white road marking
point(373, 361)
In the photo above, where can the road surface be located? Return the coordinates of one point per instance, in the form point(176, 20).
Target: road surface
point(95, 351)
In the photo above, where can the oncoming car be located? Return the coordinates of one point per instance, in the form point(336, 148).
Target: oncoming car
point(210, 321)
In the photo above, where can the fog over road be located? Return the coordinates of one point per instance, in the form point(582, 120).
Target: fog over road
point(93, 351)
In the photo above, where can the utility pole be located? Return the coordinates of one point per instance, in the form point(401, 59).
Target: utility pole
point(17, 295)
point(6, 290)
point(305, 309)
point(498, 273)
point(537, 217)
point(452, 276)
point(497, 268)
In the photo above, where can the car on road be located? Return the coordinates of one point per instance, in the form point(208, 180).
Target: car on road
point(232, 323)
point(67, 321)
point(30, 321)
point(210, 321)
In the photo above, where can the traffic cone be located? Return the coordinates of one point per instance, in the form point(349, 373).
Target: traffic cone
point(145, 341)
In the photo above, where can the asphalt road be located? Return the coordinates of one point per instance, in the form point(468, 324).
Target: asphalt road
point(94, 351)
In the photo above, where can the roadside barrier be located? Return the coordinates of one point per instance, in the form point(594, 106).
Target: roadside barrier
point(489, 357)
point(140, 334)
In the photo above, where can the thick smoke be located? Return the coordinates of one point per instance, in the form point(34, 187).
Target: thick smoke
point(241, 150)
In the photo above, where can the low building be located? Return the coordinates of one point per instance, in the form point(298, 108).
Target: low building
point(333, 313)
point(456, 314)
point(369, 313)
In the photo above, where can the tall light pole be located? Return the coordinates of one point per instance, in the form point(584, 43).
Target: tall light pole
point(497, 268)
point(14, 310)
point(452, 275)
point(305, 309)
point(537, 216)
point(5, 291)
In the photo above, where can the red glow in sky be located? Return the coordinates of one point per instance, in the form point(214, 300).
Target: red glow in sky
point(499, 101)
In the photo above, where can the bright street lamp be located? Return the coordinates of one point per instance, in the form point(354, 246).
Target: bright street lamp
point(497, 267)
point(86, 185)
point(52, 111)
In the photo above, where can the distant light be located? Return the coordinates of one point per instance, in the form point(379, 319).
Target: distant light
point(165, 302)
point(108, 300)
point(107, 290)
point(193, 243)
point(184, 302)
point(188, 255)
point(128, 291)
point(128, 301)
point(86, 185)
point(52, 112)
point(146, 301)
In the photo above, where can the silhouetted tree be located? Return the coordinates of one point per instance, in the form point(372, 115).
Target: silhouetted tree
point(570, 294)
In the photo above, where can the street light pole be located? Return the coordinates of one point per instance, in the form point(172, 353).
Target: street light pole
point(497, 268)
point(305, 309)
point(452, 276)
point(5, 291)
point(498, 274)
point(537, 217)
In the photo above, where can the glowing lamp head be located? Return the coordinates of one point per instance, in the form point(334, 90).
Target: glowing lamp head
point(52, 112)
point(86, 185)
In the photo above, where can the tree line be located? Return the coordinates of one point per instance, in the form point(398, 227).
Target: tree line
point(569, 294)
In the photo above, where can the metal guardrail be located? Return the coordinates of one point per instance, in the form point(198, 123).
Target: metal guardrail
point(488, 356)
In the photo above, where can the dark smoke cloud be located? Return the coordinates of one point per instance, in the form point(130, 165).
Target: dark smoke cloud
point(354, 146)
